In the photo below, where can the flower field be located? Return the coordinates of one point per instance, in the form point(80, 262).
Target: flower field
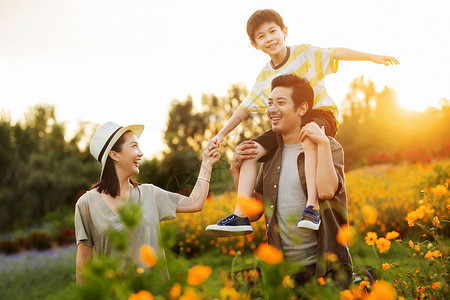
point(398, 237)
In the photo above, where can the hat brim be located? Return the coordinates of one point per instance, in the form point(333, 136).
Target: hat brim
point(137, 131)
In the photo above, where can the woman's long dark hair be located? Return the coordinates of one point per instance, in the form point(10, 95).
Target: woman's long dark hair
point(109, 183)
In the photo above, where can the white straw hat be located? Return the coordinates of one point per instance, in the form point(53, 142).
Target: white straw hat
point(105, 138)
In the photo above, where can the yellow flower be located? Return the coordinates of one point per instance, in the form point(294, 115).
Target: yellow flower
point(346, 235)
point(148, 256)
point(346, 295)
point(363, 284)
point(250, 206)
point(386, 266)
point(175, 291)
point(371, 238)
point(383, 244)
point(190, 294)
point(369, 214)
point(331, 257)
point(287, 282)
point(411, 244)
point(140, 270)
point(141, 295)
point(392, 235)
point(439, 190)
point(417, 248)
point(228, 293)
point(269, 254)
point(436, 222)
point(382, 290)
point(198, 274)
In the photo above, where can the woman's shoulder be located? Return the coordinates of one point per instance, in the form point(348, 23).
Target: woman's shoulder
point(87, 197)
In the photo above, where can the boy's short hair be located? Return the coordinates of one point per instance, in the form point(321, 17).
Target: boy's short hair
point(301, 90)
point(260, 17)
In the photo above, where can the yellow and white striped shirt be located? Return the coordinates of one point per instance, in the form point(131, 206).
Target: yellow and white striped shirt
point(306, 61)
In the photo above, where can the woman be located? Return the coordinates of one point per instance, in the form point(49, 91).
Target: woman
point(117, 149)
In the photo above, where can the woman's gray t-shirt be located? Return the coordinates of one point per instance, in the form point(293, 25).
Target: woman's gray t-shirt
point(93, 218)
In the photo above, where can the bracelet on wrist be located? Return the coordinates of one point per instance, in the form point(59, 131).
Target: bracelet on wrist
point(206, 179)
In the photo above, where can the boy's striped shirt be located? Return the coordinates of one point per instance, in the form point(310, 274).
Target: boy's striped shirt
point(306, 61)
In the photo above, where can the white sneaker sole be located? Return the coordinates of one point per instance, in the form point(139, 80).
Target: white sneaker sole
point(221, 231)
point(308, 225)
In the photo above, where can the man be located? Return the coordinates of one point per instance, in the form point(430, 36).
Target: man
point(282, 185)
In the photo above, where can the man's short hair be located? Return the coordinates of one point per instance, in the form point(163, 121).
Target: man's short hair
point(301, 90)
point(260, 17)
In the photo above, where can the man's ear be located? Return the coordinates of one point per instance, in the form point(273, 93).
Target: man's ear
point(114, 155)
point(285, 31)
point(303, 108)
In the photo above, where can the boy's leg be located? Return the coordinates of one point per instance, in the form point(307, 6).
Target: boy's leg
point(238, 222)
point(311, 215)
point(247, 179)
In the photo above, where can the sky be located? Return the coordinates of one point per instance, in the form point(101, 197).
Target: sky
point(124, 61)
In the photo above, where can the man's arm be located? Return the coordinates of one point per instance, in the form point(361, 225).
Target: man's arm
point(327, 181)
point(349, 54)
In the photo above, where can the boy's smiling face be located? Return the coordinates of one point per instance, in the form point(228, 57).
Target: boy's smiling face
point(269, 38)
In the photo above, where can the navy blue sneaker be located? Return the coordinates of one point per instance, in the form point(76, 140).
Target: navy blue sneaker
point(230, 226)
point(310, 218)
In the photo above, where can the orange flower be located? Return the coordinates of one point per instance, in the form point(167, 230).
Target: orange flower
point(140, 270)
point(175, 291)
point(386, 266)
point(287, 282)
point(436, 285)
point(369, 214)
point(269, 254)
point(141, 295)
point(198, 274)
point(321, 280)
point(190, 294)
point(417, 248)
point(363, 284)
point(382, 290)
point(436, 222)
point(371, 238)
point(411, 217)
point(411, 244)
point(392, 235)
point(346, 235)
point(250, 206)
point(229, 293)
point(346, 295)
point(383, 244)
point(431, 254)
point(148, 256)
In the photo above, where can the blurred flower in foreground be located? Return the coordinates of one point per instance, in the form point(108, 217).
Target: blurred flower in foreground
point(269, 254)
point(141, 295)
point(431, 254)
point(229, 293)
point(392, 235)
point(250, 206)
point(321, 280)
point(382, 290)
point(287, 282)
point(140, 270)
point(190, 294)
point(148, 256)
point(346, 235)
point(371, 238)
point(383, 244)
point(175, 291)
point(198, 274)
point(439, 190)
point(346, 295)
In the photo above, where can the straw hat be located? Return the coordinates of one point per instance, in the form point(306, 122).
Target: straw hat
point(105, 138)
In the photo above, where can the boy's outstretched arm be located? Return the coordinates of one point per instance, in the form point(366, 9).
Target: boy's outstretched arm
point(349, 54)
point(238, 116)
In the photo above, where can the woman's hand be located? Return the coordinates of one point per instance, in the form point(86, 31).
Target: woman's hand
point(211, 154)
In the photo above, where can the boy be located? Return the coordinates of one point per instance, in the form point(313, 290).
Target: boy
point(267, 33)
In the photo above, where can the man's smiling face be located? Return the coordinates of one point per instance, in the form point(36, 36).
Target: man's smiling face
point(282, 112)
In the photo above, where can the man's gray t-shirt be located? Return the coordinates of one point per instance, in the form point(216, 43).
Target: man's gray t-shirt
point(298, 244)
point(93, 218)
